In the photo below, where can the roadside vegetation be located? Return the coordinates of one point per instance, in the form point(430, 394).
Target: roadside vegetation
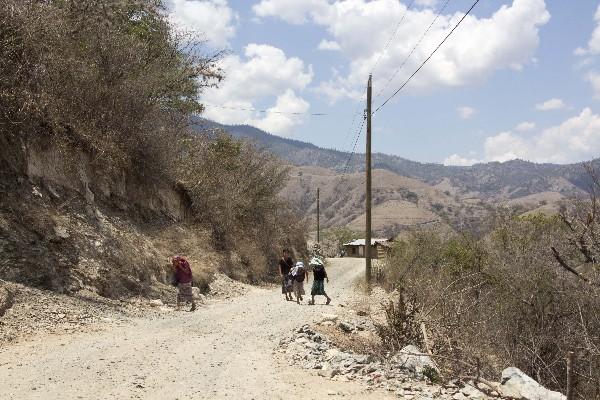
point(523, 295)
point(333, 239)
point(114, 83)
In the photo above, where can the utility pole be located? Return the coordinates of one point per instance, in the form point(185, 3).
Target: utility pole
point(318, 217)
point(368, 189)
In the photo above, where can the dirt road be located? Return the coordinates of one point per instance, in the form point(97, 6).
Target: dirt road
point(223, 350)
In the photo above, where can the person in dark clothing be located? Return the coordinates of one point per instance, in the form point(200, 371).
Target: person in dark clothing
point(183, 278)
point(319, 277)
point(285, 266)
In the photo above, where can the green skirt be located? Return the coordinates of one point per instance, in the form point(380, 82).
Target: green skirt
point(318, 288)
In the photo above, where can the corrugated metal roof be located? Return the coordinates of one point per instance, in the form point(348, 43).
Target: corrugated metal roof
point(361, 242)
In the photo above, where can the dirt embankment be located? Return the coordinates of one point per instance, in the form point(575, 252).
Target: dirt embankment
point(70, 227)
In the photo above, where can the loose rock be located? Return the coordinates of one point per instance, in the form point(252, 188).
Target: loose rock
point(515, 383)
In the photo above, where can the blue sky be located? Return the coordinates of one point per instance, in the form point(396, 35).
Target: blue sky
point(518, 79)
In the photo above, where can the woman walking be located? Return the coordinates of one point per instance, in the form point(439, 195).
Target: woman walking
point(319, 276)
point(299, 274)
point(285, 266)
point(183, 277)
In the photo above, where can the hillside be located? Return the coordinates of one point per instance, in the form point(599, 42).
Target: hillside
point(408, 193)
point(497, 181)
point(399, 202)
point(102, 179)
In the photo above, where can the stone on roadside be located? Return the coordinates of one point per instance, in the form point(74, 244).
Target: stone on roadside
point(197, 294)
point(156, 303)
point(412, 359)
point(328, 371)
point(515, 383)
point(473, 393)
point(331, 353)
point(329, 317)
point(346, 327)
point(459, 396)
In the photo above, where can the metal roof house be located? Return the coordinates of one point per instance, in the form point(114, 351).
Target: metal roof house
point(356, 248)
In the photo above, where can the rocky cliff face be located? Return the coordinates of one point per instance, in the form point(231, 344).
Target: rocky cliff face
point(68, 225)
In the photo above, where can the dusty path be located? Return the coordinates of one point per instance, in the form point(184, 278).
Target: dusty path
point(224, 350)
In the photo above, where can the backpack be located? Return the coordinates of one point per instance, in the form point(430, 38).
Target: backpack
point(300, 272)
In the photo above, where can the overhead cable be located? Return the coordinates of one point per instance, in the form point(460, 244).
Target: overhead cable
point(264, 111)
point(428, 58)
point(437, 16)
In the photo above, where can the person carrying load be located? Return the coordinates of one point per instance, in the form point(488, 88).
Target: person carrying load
point(319, 277)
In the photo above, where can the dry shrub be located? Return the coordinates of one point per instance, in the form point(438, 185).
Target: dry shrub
point(233, 189)
point(113, 81)
point(401, 326)
point(504, 300)
point(110, 78)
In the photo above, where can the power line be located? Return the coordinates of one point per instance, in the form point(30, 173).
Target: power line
point(358, 133)
point(428, 58)
point(387, 45)
point(356, 111)
point(265, 111)
point(439, 12)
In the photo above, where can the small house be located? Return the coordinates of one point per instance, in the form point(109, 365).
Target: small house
point(356, 248)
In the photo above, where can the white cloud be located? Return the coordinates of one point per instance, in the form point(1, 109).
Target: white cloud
point(552, 104)
point(457, 160)
point(576, 139)
point(593, 46)
point(525, 126)
point(465, 112)
point(594, 78)
point(292, 11)
point(214, 19)
point(427, 3)
point(505, 146)
point(284, 115)
point(329, 45)
point(479, 47)
point(265, 74)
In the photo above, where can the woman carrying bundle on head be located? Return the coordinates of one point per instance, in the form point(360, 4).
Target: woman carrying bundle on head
point(319, 276)
point(183, 279)
point(299, 274)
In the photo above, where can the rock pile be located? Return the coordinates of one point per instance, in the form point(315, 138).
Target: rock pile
point(310, 350)
point(409, 373)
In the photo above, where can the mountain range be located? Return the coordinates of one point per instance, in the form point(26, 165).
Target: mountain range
point(408, 192)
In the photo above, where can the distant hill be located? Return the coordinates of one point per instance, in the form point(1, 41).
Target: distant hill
point(494, 181)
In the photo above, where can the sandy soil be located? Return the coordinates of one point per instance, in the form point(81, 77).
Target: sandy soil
point(223, 350)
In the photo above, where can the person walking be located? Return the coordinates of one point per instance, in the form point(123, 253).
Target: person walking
point(319, 277)
point(299, 274)
point(183, 278)
point(285, 266)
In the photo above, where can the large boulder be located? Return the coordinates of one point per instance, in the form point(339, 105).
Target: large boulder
point(515, 383)
point(412, 359)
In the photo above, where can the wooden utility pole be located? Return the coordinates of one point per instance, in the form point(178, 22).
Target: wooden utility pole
point(318, 217)
point(368, 189)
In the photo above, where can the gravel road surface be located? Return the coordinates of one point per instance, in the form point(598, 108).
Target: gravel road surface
point(223, 350)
